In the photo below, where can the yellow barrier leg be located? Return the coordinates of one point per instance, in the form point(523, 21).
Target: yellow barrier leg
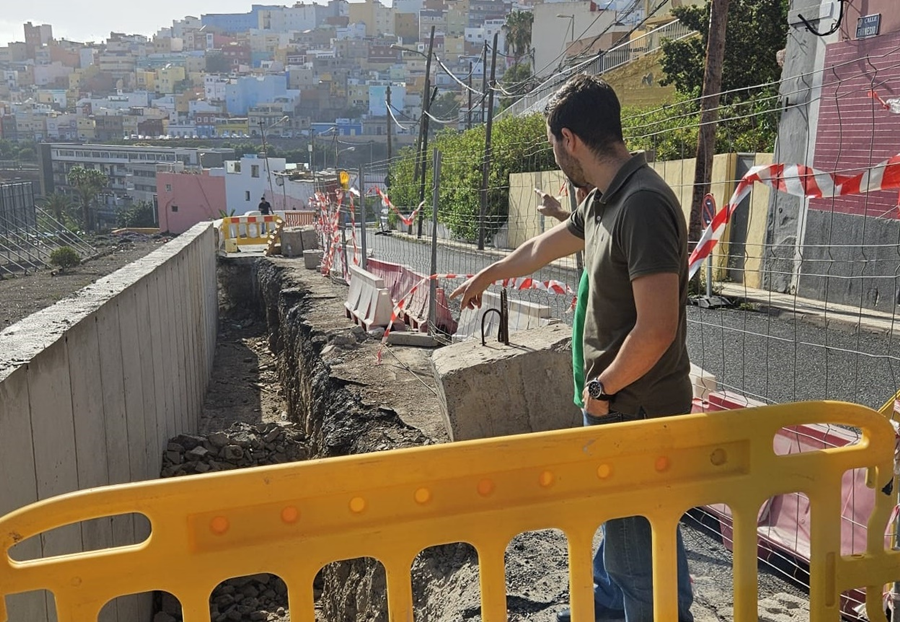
point(665, 570)
point(746, 580)
point(399, 591)
point(492, 569)
point(301, 602)
point(581, 574)
point(825, 549)
point(70, 610)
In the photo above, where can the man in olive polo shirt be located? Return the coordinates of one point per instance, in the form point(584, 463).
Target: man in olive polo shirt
point(634, 236)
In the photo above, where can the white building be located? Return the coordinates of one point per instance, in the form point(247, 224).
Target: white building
point(247, 180)
point(214, 87)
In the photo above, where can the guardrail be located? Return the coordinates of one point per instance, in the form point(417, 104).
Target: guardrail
point(247, 230)
point(291, 520)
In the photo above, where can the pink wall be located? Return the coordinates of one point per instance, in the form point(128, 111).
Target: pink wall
point(184, 199)
point(855, 130)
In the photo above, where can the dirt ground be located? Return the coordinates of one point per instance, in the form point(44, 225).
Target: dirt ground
point(23, 295)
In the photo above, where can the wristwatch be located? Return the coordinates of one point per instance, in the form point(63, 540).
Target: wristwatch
point(596, 391)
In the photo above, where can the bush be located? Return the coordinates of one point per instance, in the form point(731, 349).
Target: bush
point(65, 258)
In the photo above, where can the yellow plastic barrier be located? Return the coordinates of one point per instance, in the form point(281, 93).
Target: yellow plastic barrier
point(247, 230)
point(293, 519)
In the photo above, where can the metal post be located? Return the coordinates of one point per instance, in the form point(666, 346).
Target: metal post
point(426, 108)
point(483, 80)
point(486, 164)
point(362, 217)
point(389, 123)
point(579, 256)
point(432, 284)
point(343, 225)
point(469, 115)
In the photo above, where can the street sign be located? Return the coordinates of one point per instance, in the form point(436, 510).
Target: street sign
point(868, 26)
point(709, 209)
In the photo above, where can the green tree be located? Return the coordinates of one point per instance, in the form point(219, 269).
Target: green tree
point(88, 183)
point(141, 214)
point(27, 154)
point(756, 30)
point(516, 81)
point(519, 145)
point(65, 258)
point(57, 204)
point(518, 34)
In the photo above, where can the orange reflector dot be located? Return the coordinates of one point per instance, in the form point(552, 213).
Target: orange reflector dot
point(546, 479)
point(357, 505)
point(423, 496)
point(485, 487)
point(662, 464)
point(219, 525)
point(290, 514)
point(604, 471)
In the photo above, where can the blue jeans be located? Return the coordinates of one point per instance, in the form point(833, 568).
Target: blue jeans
point(623, 565)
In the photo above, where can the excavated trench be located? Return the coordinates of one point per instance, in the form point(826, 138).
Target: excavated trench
point(343, 404)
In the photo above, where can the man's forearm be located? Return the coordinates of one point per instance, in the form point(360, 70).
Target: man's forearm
point(639, 353)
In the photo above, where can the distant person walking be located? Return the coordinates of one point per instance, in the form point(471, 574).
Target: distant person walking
point(264, 207)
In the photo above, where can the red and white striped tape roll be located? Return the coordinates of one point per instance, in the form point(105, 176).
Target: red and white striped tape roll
point(797, 180)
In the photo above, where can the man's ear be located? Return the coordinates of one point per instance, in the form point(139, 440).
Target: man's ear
point(568, 139)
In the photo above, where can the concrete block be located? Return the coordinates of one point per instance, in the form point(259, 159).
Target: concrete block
point(291, 242)
point(309, 238)
point(312, 259)
point(496, 390)
point(702, 381)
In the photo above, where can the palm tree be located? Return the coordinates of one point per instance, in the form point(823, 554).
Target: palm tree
point(518, 33)
point(88, 183)
point(57, 204)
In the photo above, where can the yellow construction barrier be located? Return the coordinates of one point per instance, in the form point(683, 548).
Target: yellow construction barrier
point(247, 230)
point(293, 519)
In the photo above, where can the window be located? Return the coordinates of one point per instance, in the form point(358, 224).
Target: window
point(168, 187)
point(254, 170)
point(246, 195)
point(174, 208)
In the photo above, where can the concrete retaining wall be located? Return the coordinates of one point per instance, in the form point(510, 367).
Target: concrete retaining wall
point(92, 388)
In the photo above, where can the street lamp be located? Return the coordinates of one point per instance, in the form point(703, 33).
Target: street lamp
point(338, 152)
point(571, 19)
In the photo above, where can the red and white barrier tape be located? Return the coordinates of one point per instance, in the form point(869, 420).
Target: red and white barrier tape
point(797, 180)
point(386, 202)
point(522, 283)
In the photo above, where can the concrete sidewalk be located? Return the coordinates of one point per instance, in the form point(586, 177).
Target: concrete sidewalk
point(867, 319)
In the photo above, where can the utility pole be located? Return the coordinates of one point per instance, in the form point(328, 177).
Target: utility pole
point(486, 165)
point(389, 124)
point(709, 113)
point(423, 129)
point(483, 79)
point(469, 119)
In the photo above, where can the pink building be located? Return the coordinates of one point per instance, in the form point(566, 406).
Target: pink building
point(186, 198)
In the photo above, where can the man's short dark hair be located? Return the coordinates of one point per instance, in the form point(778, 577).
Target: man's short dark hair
point(588, 106)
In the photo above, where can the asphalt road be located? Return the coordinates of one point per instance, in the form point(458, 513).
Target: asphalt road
point(772, 356)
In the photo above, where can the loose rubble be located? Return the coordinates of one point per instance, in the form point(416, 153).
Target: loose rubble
point(240, 446)
point(261, 597)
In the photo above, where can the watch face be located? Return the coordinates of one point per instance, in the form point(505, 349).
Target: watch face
point(595, 389)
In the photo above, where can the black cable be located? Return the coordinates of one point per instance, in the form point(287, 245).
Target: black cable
point(834, 28)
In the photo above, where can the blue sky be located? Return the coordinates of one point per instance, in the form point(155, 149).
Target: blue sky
point(80, 20)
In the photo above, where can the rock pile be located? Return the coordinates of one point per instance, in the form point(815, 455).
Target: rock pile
point(259, 597)
point(240, 446)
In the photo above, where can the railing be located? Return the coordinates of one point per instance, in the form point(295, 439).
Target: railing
point(291, 520)
point(610, 59)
